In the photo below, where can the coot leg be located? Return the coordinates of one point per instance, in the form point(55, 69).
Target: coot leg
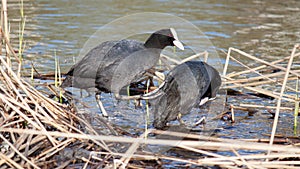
point(180, 119)
point(88, 92)
point(81, 93)
point(100, 105)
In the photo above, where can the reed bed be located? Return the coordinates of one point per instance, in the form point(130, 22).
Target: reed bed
point(38, 131)
point(284, 73)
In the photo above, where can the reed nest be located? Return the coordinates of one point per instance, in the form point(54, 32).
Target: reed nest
point(39, 132)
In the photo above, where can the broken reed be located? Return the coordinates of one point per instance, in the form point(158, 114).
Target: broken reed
point(254, 83)
point(296, 111)
point(22, 43)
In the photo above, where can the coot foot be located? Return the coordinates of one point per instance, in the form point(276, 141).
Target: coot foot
point(100, 105)
point(180, 119)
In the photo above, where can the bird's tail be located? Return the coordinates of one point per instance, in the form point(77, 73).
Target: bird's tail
point(68, 82)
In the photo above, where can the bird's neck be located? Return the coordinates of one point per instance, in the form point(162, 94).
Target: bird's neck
point(153, 42)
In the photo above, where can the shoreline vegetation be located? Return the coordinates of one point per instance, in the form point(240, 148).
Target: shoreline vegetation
point(37, 131)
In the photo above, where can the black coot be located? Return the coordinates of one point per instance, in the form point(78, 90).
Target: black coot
point(113, 65)
point(187, 85)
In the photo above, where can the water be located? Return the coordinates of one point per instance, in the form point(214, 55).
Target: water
point(266, 29)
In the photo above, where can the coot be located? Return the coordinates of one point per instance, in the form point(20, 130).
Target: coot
point(187, 85)
point(113, 65)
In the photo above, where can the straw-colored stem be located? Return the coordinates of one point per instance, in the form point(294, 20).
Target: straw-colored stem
point(9, 161)
point(26, 92)
point(250, 166)
point(223, 146)
point(129, 153)
point(170, 59)
point(147, 110)
point(261, 83)
point(255, 78)
point(205, 54)
point(264, 62)
point(18, 152)
point(56, 70)
point(6, 31)
point(260, 67)
point(296, 111)
point(264, 107)
point(263, 91)
point(227, 62)
point(258, 72)
point(21, 37)
point(281, 94)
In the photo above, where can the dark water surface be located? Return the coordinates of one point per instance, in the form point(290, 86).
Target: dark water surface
point(267, 29)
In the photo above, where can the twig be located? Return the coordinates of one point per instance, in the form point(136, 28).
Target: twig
point(281, 93)
point(260, 67)
point(128, 155)
point(264, 107)
point(205, 54)
point(18, 152)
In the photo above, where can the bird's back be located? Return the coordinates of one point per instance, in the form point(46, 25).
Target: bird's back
point(124, 65)
point(102, 58)
point(185, 85)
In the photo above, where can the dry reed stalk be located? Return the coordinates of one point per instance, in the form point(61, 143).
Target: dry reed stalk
point(34, 114)
point(256, 156)
point(296, 107)
point(6, 31)
point(259, 67)
point(200, 151)
point(10, 48)
point(261, 75)
point(236, 144)
point(212, 159)
point(263, 91)
point(18, 152)
point(131, 150)
point(244, 162)
point(255, 59)
point(198, 55)
point(255, 89)
point(224, 160)
point(177, 62)
point(248, 80)
point(36, 111)
point(170, 59)
point(237, 85)
point(232, 113)
point(9, 161)
point(281, 94)
point(264, 107)
point(260, 83)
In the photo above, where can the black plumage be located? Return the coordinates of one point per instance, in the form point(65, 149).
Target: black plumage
point(186, 86)
point(113, 65)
